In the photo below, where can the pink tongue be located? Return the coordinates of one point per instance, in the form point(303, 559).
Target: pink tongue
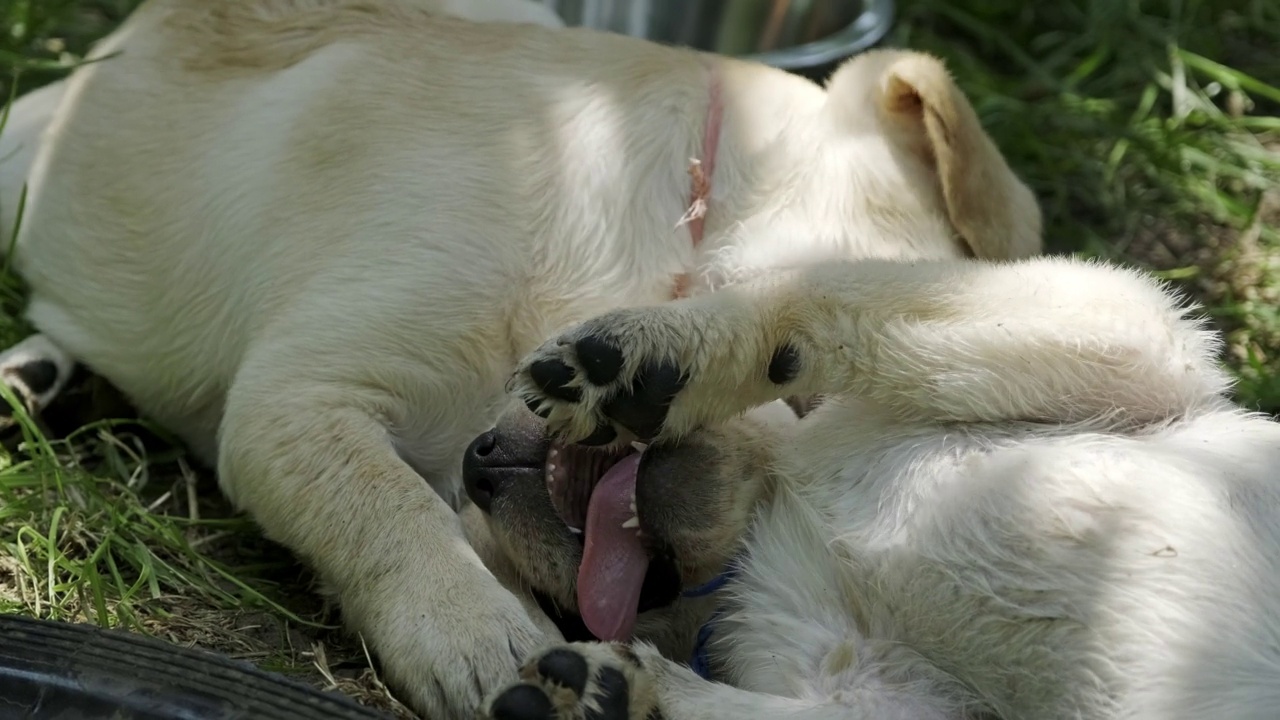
point(614, 562)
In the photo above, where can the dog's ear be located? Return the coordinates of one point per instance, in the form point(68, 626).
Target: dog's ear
point(919, 106)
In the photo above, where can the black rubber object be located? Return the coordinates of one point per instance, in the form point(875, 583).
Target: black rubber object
point(60, 671)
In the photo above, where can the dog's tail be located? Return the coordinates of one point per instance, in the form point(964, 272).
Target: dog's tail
point(22, 125)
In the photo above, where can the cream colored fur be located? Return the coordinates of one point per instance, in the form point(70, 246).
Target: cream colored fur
point(1025, 496)
point(313, 237)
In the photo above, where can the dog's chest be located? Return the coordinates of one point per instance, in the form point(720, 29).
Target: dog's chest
point(792, 628)
point(820, 589)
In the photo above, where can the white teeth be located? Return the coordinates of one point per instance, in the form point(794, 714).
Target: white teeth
point(632, 523)
point(633, 506)
point(551, 467)
point(553, 453)
point(639, 446)
point(574, 530)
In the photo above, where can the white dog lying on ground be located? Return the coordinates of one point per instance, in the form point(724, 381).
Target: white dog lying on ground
point(1023, 495)
point(314, 237)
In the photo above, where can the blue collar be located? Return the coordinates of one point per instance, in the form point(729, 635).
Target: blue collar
point(701, 661)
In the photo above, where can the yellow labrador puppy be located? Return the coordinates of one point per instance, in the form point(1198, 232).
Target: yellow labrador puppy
point(314, 237)
point(1025, 496)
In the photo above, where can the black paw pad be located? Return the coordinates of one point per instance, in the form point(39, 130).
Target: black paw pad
point(785, 365)
point(523, 702)
point(553, 377)
point(643, 407)
point(612, 695)
point(565, 667)
point(600, 358)
point(38, 375)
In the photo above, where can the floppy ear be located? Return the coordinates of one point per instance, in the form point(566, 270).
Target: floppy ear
point(989, 206)
point(921, 108)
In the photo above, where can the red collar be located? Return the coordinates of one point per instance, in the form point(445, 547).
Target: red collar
point(701, 171)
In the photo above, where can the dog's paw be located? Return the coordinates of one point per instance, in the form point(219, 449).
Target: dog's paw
point(583, 681)
point(619, 372)
point(643, 373)
point(35, 371)
point(447, 645)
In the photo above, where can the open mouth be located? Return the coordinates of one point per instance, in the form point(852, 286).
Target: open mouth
point(573, 471)
point(594, 492)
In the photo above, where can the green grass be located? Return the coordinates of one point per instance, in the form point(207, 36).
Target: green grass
point(1151, 134)
point(102, 525)
point(1150, 131)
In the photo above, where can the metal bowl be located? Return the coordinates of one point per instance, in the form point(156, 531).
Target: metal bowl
point(788, 34)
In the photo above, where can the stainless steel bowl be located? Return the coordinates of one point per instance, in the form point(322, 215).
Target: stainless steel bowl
point(789, 34)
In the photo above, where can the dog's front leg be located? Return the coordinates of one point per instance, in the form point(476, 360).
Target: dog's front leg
point(614, 682)
point(945, 341)
point(313, 460)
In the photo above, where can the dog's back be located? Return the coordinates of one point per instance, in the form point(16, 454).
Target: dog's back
point(23, 125)
point(251, 120)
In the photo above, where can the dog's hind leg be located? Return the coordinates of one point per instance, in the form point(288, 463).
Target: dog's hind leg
point(35, 370)
point(24, 124)
point(1048, 340)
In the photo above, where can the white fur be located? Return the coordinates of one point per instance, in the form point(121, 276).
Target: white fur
point(19, 140)
point(1026, 494)
point(313, 237)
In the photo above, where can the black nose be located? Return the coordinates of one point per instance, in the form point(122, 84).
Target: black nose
point(510, 458)
point(481, 483)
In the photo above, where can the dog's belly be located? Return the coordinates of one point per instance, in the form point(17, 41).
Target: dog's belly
point(1045, 569)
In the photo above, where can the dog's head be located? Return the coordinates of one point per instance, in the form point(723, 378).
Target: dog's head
point(912, 98)
point(899, 165)
point(612, 536)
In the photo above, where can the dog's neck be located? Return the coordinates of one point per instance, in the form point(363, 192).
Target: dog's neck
point(700, 661)
point(748, 198)
point(701, 174)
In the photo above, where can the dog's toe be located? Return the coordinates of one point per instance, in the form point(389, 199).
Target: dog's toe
point(523, 702)
point(612, 694)
point(601, 358)
point(643, 407)
point(565, 667)
point(552, 377)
